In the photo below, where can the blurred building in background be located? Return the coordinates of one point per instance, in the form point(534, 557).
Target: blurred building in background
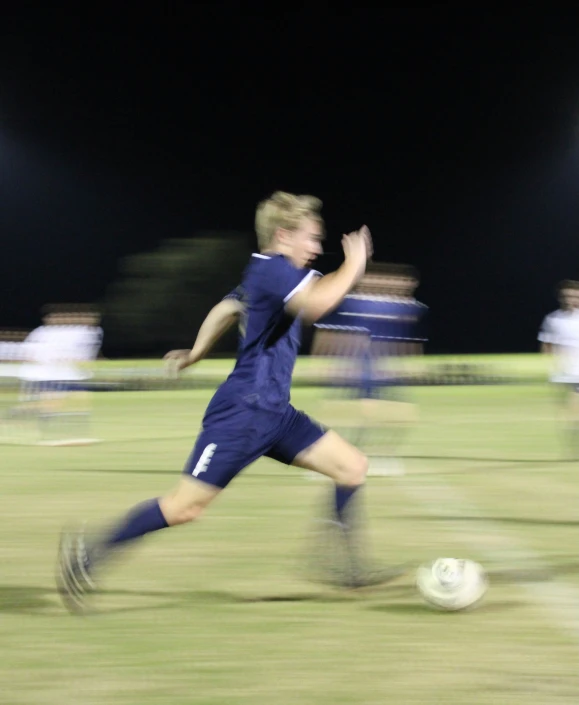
point(160, 298)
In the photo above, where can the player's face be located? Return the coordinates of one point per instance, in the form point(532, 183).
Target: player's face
point(573, 298)
point(306, 243)
point(570, 299)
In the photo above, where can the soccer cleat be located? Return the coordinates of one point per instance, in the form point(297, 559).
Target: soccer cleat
point(327, 554)
point(338, 561)
point(73, 576)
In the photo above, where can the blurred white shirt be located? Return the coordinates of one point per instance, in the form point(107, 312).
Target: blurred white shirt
point(56, 353)
point(561, 329)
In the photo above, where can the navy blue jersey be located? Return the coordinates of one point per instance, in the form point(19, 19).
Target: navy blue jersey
point(269, 338)
point(379, 317)
point(384, 322)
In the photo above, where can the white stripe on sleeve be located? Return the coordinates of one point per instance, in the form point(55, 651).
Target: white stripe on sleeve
point(302, 284)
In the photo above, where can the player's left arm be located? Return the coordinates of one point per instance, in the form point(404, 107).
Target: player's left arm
point(218, 321)
point(547, 337)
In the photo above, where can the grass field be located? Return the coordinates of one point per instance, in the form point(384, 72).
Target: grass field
point(221, 613)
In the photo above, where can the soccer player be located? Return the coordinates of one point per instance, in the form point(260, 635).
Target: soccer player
point(250, 415)
point(55, 373)
point(377, 322)
point(559, 337)
point(11, 350)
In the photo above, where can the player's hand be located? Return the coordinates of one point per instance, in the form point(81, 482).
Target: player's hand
point(358, 248)
point(175, 361)
point(367, 236)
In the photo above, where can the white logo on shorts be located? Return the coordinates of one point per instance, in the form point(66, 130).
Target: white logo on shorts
point(205, 459)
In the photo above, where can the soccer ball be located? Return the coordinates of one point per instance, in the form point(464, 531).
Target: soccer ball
point(451, 584)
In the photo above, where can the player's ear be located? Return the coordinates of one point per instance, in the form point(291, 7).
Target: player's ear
point(283, 236)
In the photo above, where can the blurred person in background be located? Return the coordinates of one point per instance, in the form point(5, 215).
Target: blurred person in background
point(12, 428)
point(367, 337)
point(57, 366)
point(559, 338)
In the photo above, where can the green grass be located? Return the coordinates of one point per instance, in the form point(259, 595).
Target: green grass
point(221, 613)
point(514, 365)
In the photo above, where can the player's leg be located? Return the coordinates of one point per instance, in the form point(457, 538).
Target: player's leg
point(343, 558)
point(80, 558)
point(345, 465)
point(217, 458)
point(566, 397)
point(339, 546)
point(572, 407)
point(73, 416)
point(52, 425)
point(305, 444)
point(335, 458)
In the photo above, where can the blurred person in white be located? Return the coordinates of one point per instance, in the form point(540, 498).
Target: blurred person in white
point(11, 427)
point(559, 338)
point(10, 352)
point(55, 374)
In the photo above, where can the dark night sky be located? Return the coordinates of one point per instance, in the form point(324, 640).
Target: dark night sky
point(452, 134)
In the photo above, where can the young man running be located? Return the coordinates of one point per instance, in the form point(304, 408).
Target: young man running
point(250, 415)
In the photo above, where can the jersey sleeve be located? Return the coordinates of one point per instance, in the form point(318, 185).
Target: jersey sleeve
point(236, 294)
point(282, 281)
point(345, 317)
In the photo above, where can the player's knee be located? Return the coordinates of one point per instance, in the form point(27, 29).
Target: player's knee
point(361, 468)
point(175, 515)
point(355, 473)
point(176, 511)
point(189, 514)
point(187, 502)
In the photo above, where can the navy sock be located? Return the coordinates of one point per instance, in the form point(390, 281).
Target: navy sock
point(142, 519)
point(343, 503)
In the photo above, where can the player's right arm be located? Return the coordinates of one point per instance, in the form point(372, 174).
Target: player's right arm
point(218, 321)
point(323, 294)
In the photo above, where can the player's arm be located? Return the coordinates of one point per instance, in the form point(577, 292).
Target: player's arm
point(320, 296)
point(219, 320)
point(546, 337)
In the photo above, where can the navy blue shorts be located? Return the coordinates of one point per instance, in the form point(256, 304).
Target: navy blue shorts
point(221, 451)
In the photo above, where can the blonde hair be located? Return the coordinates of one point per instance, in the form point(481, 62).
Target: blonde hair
point(284, 210)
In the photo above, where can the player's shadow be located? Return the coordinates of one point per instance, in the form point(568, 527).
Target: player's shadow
point(28, 600)
point(203, 598)
point(19, 599)
point(44, 601)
